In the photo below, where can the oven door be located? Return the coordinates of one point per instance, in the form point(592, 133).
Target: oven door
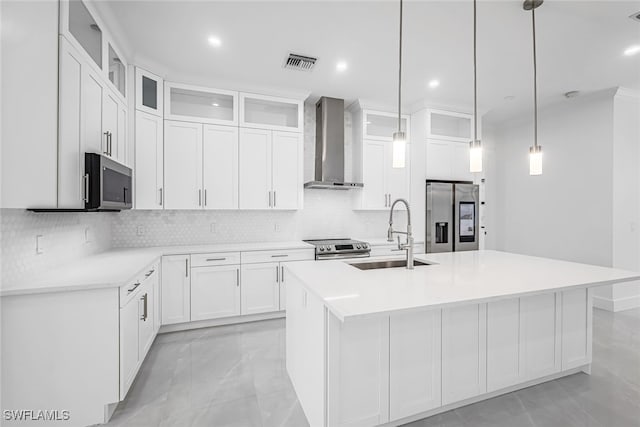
point(109, 184)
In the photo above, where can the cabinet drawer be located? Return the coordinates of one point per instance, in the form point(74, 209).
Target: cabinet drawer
point(254, 257)
point(131, 289)
point(220, 258)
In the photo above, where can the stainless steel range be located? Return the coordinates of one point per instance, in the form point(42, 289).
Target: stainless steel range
point(340, 248)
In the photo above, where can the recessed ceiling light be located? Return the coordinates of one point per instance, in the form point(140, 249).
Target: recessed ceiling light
point(341, 66)
point(215, 104)
point(215, 41)
point(434, 84)
point(509, 98)
point(632, 50)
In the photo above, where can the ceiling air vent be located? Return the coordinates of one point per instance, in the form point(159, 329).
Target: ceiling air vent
point(300, 62)
point(635, 16)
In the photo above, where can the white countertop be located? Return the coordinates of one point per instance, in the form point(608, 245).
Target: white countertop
point(454, 278)
point(116, 267)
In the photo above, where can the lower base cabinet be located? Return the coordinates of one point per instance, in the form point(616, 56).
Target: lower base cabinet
point(176, 289)
point(260, 288)
point(215, 292)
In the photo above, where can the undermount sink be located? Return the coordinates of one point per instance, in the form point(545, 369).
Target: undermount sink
point(394, 263)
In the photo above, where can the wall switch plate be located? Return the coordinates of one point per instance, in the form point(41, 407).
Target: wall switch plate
point(140, 230)
point(40, 244)
point(213, 227)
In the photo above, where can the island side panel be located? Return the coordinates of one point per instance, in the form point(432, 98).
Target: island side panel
point(577, 328)
point(76, 333)
point(306, 349)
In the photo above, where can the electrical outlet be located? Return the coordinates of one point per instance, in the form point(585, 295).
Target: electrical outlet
point(140, 230)
point(214, 227)
point(40, 244)
point(87, 235)
point(276, 227)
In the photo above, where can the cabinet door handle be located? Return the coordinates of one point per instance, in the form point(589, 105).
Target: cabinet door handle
point(216, 259)
point(205, 197)
point(106, 143)
point(161, 197)
point(274, 199)
point(186, 267)
point(144, 310)
point(150, 272)
point(269, 198)
point(279, 256)
point(199, 197)
point(135, 286)
point(282, 274)
point(86, 187)
point(237, 277)
point(277, 274)
point(110, 144)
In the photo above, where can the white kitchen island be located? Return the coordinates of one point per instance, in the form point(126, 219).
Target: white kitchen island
point(390, 346)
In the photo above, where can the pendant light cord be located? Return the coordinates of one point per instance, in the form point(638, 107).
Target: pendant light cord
point(400, 74)
point(475, 81)
point(535, 81)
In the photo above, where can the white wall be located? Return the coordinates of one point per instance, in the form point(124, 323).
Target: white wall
point(29, 49)
point(586, 205)
point(566, 212)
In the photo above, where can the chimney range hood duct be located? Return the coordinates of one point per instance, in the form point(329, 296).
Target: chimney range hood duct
point(330, 147)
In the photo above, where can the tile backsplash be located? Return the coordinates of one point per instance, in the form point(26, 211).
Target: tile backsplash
point(63, 239)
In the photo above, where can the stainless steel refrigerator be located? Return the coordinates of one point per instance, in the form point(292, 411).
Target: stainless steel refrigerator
point(452, 216)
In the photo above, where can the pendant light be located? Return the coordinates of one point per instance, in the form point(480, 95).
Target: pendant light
point(535, 151)
point(399, 137)
point(475, 146)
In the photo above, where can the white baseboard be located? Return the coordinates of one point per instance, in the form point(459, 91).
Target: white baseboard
point(618, 304)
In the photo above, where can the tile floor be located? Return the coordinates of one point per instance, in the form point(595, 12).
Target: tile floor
point(235, 376)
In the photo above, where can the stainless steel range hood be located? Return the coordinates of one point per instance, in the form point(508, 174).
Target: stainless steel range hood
point(330, 147)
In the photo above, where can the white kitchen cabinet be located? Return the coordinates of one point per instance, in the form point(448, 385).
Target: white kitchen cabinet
point(200, 104)
point(91, 114)
point(146, 327)
point(129, 350)
point(576, 328)
point(378, 125)
point(260, 289)
point(149, 92)
point(117, 72)
point(448, 160)
point(503, 344)
point(270, 165)
point(182, 165)
point(220, 167)
point(357, 372)
point(148, 161)
point(463, 352)
point(269, 112)
point(215, 292)
point(540, 317)
point(114, 126)
point(176, 289)
point(414, 363)
point(382, 182)
point(448, 125)
point(81, 26)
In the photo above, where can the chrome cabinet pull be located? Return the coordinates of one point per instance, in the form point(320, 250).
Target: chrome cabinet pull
point(279, 256)
point(110, 144)
point(199, 197)
point(106, 143)
point(144, 300)
point(186, 267)
point(277, 274)
point(86, 187)
point(269, 198)
point(216, 259)
point(237, 277)
point(274, 199)
point(282, 274)
point(205, 197)
point(161, 197)
point(135, 286)
point(150, 272)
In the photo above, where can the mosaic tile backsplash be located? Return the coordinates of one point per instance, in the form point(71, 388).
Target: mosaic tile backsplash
point(64, 240)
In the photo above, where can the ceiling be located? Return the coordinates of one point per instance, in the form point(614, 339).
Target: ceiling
point(580, 47)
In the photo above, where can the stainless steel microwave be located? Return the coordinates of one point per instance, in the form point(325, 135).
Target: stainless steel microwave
point(107, 184)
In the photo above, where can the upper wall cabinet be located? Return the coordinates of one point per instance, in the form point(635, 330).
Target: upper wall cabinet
point(149, 92)
point(268, 112)
point(381, 126)
point(446, 125)
point(82, 27)
point(200, 105)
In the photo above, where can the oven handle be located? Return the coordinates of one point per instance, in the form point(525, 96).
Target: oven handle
point(346, 255)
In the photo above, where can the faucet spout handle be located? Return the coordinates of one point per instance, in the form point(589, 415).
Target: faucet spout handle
point(390, 234)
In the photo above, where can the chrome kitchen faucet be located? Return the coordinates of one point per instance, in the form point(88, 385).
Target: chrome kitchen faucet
point(408, 245)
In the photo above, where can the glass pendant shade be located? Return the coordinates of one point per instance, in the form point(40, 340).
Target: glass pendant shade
point(535, 160)
point(475, 156)
point(399, 149)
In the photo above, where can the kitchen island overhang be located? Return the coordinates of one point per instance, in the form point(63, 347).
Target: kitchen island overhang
point(389, 346)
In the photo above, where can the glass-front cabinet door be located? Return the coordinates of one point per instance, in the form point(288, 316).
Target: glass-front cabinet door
point(149, 92)
point(449, 125)
point(381, 126)
point(201, 105)
point(268, 112)
point(117, 71)
point(84, 29)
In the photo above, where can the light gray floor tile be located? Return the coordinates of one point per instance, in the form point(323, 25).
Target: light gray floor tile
point(236, 376)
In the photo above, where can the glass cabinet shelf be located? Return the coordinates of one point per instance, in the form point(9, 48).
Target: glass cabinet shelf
point(85, 30)
point(117, 71)
point(200, 105)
